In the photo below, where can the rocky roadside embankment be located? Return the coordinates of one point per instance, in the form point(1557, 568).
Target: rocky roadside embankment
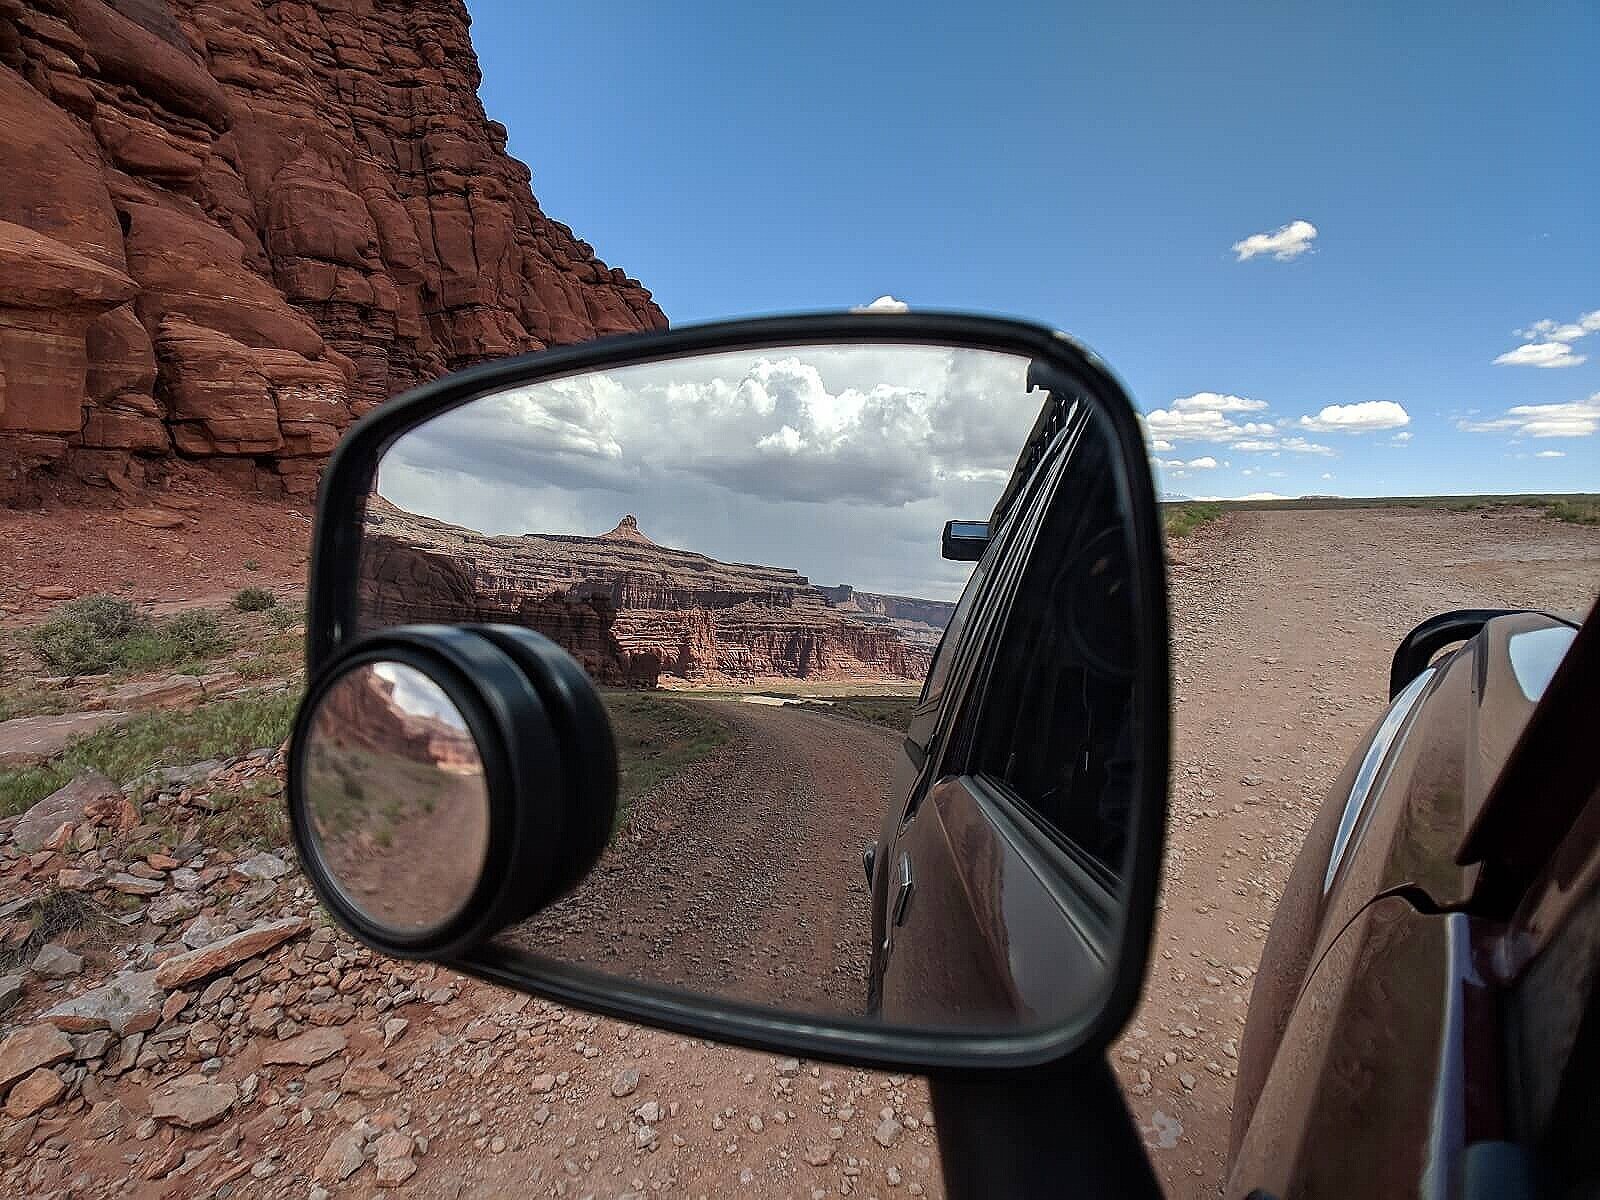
point(182, 1021)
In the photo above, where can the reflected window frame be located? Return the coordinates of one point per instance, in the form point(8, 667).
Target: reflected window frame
point(1092, 880)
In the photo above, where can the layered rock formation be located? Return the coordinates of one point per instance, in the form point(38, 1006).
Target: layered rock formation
point(631, 611)
point(228, 227)
point(361, 711)
point(909, 609)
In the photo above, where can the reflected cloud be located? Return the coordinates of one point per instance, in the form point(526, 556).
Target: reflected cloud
point(737, 454)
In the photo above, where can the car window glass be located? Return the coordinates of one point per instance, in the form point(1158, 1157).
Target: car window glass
point(1057, 732)
point(1006, 531)
point(944, 656)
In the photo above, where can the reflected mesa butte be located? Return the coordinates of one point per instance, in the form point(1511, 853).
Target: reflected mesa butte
point(638, 614)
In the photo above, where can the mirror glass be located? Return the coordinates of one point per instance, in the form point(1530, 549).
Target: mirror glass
point(395, 793)
point(858, 778)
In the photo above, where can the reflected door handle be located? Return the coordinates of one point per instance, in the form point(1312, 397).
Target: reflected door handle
point(902, 890)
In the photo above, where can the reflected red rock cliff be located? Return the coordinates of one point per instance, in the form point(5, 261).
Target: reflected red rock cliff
point(360, 710)
point(633, 612)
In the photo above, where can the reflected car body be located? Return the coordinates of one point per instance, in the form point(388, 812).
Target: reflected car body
point(1428, 989)
point(970, 920)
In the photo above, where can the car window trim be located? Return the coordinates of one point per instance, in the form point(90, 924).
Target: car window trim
point(1075, 890)
point(1049, 474)
point(971, 649)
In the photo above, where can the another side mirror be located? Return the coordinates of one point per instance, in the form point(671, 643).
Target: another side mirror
point(619, 654)
point(964, 541)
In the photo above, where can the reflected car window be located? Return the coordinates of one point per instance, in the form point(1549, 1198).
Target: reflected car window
point(1058, 732)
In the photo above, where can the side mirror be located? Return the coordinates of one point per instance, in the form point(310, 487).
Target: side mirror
point(964, 541)
point(621, 652)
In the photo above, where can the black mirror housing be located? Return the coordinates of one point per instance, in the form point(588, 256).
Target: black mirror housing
point(1120, 940)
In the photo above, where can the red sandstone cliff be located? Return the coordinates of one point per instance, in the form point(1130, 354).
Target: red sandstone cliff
point(631, 611)
point(228, 227)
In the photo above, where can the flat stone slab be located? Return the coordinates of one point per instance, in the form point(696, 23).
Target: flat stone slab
point(170, 692)
point(305, 1049)
point(184, 969)
point(68, 804)
point(29, 739)
point(262, 866)
point(193, 1105)
point(127, 1003)
point(26, 1050)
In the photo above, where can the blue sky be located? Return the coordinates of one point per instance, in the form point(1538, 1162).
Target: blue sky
point(1095, 170)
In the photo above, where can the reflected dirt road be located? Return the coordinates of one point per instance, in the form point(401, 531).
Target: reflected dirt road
point(742, 875)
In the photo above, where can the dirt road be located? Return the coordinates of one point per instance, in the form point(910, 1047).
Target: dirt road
point(741, 877)
point(1283, 625)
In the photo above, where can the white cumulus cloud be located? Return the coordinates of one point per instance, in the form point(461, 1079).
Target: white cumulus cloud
point(1579, 418)
point(1551, 454)
point(1175, 425)
point(1548, 343)
point(1216, 402)
point(1541, 354)
point(1300, 445)
point(1289, 241)
point(1203, 463)
point(1362, 417)
point(882, 304)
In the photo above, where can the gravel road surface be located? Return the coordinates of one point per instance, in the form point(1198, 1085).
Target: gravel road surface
point(741, 876)
point(1283, 627)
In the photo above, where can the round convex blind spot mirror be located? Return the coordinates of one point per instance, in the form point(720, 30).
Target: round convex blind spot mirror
point(396, 799)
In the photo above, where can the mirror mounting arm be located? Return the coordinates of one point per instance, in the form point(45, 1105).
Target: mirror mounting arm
point(1040, 1134)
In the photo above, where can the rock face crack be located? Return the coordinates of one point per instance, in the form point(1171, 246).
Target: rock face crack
point(230, 227)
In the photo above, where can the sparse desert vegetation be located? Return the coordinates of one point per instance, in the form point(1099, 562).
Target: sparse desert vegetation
point(254, 599)
point(123, 752)
point(891, 712)
point(97, 634)
point(658, 736)
point(1180, 520)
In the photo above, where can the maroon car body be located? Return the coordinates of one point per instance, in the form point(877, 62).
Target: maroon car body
point(1424, 1020)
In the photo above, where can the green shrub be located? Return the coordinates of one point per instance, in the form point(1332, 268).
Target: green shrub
point(1583, 510)
point(251, 564)
point(254, 599)
point(1183, 519)
point(281, 618)
point(185, 639)
point(257, 666)
point(99, 633)
point(83, 636)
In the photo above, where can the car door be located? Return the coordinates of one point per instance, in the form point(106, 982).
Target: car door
point(1008, 791)
point(921, 756)
point(1445, 1032)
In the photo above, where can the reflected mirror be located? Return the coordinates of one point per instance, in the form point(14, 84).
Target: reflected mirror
point(397, 806)
point(860, 777)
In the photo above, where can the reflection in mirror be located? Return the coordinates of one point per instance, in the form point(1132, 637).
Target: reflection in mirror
point(744, 552)
point(398, 806)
